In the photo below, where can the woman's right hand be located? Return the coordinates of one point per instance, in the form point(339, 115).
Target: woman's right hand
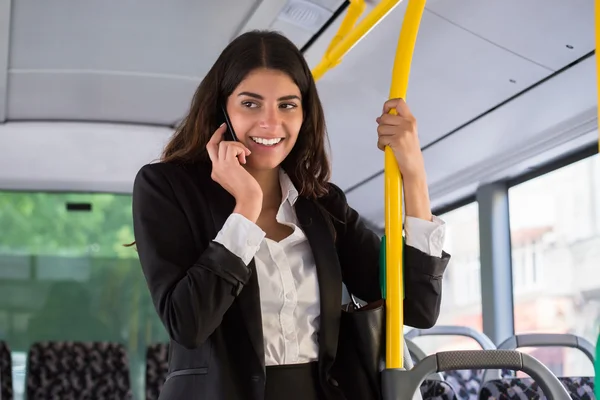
point(227, 158)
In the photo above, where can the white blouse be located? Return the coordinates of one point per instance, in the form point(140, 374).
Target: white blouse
point(289, 290)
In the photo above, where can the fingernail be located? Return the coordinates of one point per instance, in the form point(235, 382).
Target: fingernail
point(222, 125)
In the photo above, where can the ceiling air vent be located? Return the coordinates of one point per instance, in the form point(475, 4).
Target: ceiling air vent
point(305, 14)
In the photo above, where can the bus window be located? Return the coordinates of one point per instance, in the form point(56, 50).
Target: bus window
point(461, 300)
point(65, 276)
point(555, 235)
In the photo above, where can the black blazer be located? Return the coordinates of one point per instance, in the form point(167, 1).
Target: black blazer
point(209, 301)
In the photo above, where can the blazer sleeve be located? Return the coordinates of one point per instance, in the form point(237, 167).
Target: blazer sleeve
point(358, 252)
point(191, 284)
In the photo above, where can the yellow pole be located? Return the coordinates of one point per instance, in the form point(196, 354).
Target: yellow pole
point(355, 10)
point(341, 44)
point(597, 28)
point(342, 47)
point(393, 195)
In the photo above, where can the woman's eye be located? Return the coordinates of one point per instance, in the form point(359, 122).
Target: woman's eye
point(288, 106)
point(249, 104)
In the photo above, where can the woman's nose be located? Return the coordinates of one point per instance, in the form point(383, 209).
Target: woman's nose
point(270, 120)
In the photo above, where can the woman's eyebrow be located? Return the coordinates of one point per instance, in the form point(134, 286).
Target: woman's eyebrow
point(259, 97)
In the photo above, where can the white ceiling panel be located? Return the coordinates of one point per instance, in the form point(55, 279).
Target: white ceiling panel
point(177, 37)
point(297, 34)
point(98, 96)
point(115, 61)
point(76, 156)
point(566, 98)
point(298, 20)
point(549, 121)
point(539, 30)
point(455, 77)
point(331, 5)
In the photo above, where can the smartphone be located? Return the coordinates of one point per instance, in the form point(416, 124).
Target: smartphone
point(230, 133)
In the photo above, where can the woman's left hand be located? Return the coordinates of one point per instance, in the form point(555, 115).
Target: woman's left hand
point(400, 133)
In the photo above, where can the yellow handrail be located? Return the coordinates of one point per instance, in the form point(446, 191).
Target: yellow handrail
point(393, 194)
point(337, 52)
point(355, 10)
point(344, 40)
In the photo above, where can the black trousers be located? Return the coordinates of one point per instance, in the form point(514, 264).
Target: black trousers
point(293, 382)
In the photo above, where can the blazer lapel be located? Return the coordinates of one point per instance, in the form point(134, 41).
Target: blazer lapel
point(221, 205)
point(249, 303)
point(329, 275)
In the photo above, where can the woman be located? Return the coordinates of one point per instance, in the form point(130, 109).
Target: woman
point(244, 244)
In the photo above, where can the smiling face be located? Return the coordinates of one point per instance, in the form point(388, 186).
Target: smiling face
point(266, 113)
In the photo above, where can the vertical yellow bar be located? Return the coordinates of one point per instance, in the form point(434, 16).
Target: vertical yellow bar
point(393, 194)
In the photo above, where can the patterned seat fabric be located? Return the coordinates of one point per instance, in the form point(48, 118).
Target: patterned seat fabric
point(77, 371)
point(580, 388)
point(6, 389)
point(157, 368)
point(437, 390)
point(466, 383)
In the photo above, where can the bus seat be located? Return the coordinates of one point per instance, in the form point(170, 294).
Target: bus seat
point(465, 384)
point(405, 382)
point(77, 370)
point(579, 388)
point(466, 381)
point(6, 389)
point(511, 389)
point(437, 390)
point(157, 368)
point(541, 340)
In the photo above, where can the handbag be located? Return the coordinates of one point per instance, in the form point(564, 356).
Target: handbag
point(360, 355)
point(361, 350)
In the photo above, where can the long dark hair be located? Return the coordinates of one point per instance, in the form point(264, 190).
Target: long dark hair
point(307, 165)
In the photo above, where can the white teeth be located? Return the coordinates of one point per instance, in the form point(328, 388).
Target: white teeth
point(267, 142)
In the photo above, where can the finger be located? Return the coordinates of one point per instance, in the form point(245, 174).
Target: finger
point(213, 144)
point(212, 152)
point(236, 151)
point(223, 150)
point(390, 119)
point(399, 105)
point(387, 130)
point(226, 147)
point(406, 127)
point(217, 136)
point(241, 155)
point(243, 149)
point(382, 142)
point(239, 145)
